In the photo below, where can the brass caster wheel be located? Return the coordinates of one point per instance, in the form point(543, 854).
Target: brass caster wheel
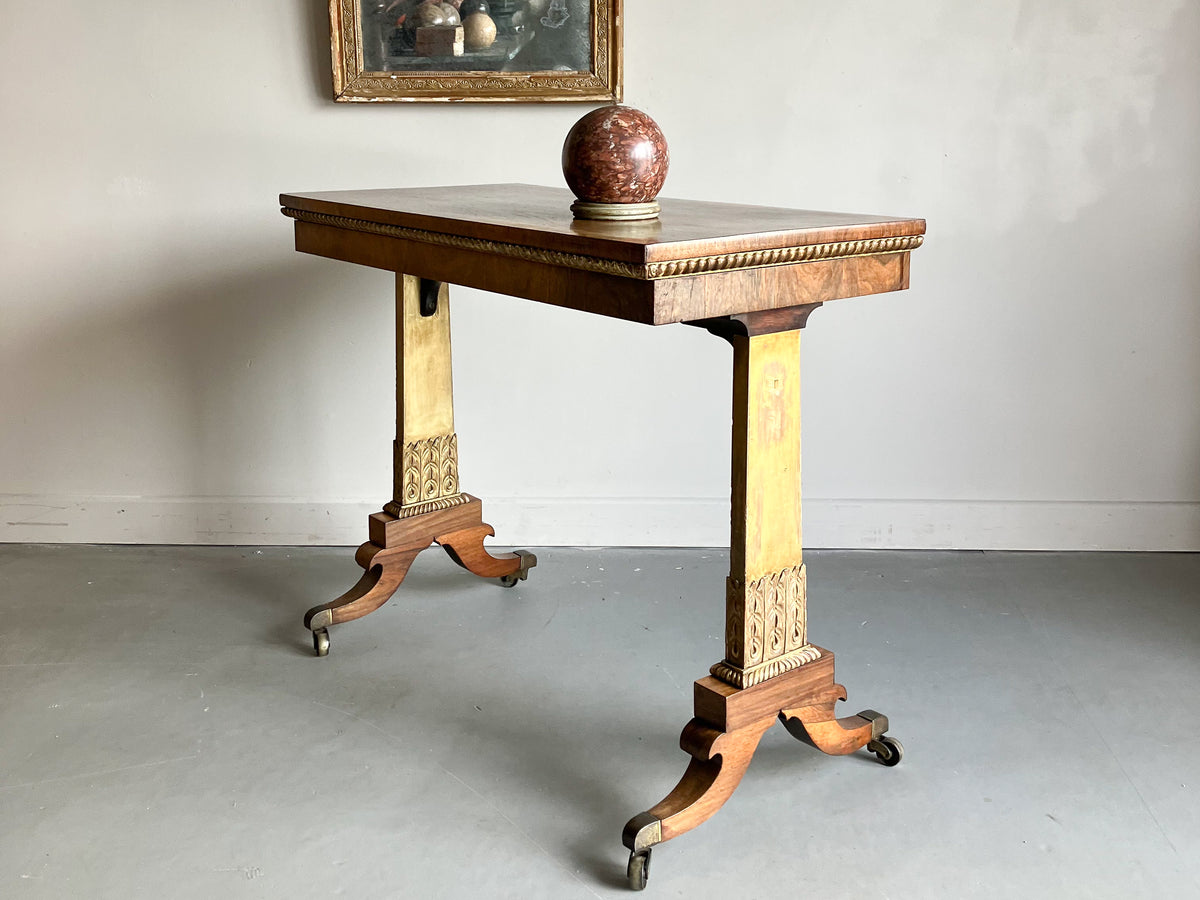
point(528, 561)
point(889, 750)
point(321, 641)
point(638, 870)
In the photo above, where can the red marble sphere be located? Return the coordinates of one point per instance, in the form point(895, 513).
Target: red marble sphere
point(616, 154)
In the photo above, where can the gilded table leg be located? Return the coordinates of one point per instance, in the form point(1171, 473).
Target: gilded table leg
point(427, 506)
point(766, 619)
point(770, 669)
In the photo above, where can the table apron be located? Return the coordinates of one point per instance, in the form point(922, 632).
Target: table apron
point(653, 302)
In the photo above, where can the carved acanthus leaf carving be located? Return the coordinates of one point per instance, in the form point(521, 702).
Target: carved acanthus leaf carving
point(426, 470)
point(766, 627)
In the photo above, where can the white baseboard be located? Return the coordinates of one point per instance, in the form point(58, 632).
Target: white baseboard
point(589, 521)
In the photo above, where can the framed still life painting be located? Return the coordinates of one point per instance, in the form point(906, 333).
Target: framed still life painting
point(476, 50)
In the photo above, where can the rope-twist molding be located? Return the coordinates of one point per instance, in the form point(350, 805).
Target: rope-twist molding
point(700, 265)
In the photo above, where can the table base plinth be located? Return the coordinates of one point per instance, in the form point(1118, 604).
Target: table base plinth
point(728, 725)
point(394, 544)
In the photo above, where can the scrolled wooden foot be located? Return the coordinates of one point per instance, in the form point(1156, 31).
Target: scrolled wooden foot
point(817, 725)
point(728, 725)
point(719, 760)
point(385, 570)
point(465, 547)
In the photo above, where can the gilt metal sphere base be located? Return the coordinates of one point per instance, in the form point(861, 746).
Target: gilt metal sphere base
point(615, 212)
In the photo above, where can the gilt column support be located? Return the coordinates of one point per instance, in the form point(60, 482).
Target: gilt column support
point(766, 607)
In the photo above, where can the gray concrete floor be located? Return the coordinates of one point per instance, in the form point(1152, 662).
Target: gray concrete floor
point(166, 732)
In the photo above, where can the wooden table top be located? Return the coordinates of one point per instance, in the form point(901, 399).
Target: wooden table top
point(541, 217)
point(534, 225)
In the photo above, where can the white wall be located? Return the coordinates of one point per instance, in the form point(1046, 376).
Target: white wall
point(170, 370)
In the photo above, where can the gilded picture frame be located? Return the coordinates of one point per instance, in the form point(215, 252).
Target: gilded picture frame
point(541, 51)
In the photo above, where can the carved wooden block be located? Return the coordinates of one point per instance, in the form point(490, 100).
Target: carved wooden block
point(426, 472)
point(766, 627)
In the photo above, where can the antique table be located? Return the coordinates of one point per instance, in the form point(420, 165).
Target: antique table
point(750, 275)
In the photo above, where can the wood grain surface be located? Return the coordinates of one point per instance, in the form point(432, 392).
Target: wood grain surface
point(699, 260)
point(541, 217)
point(729, 722)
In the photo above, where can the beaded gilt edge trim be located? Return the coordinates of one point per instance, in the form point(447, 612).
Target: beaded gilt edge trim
point(649, 272)
point(744, 678)
point(393, 508)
